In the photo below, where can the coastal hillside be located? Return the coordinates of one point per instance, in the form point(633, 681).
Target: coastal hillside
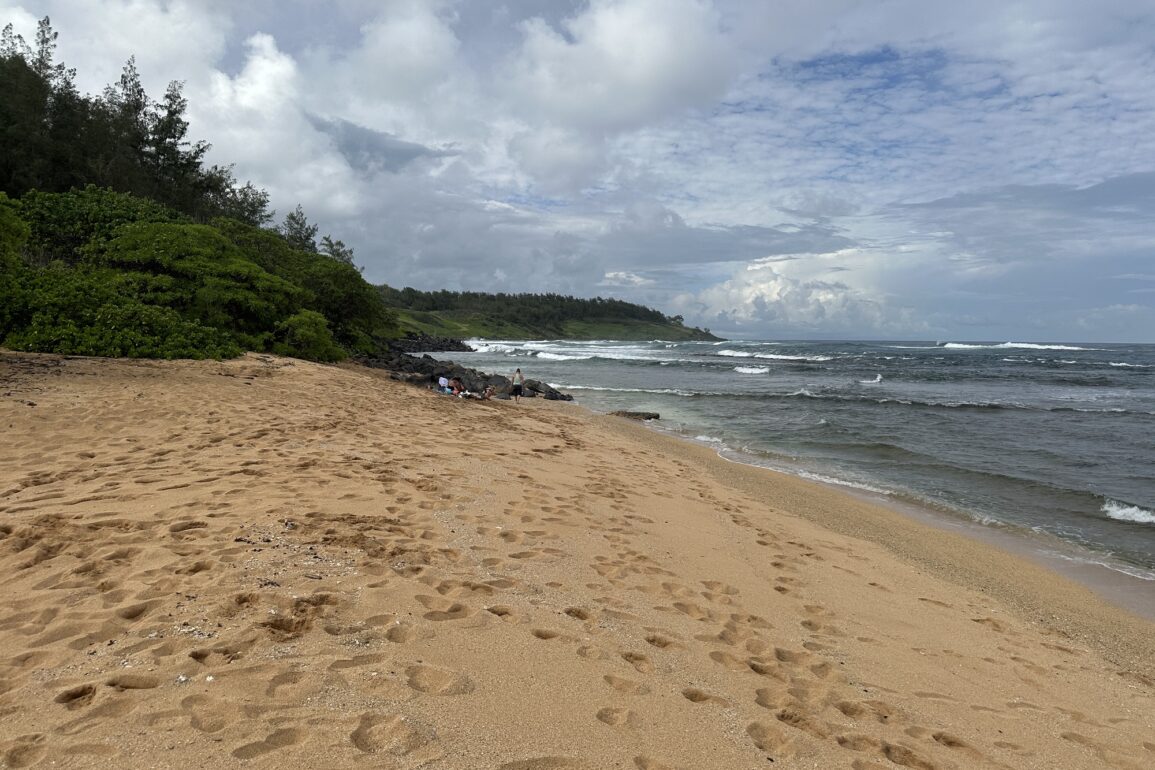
point(463, 315)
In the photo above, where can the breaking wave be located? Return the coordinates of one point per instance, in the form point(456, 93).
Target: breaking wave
point(1009, 345)
point(1124, 512)
point(772, 356)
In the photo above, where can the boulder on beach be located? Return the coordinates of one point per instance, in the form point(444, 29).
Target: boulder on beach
point(637, 415)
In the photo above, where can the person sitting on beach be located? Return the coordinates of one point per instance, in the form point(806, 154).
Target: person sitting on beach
point(443, 385)
point(456, 386)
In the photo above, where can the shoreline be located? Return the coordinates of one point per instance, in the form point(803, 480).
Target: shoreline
point(263, 561)
point(1069, 560)
point(1042, 594)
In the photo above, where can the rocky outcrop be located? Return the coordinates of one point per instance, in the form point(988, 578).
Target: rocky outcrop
point(416, 342)
point(638, 415)
point(425, 370)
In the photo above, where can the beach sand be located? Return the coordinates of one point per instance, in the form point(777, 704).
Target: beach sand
point(272, 563)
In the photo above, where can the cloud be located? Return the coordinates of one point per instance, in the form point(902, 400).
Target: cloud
point(370, 151)
point(762, 300)
point(620, 64)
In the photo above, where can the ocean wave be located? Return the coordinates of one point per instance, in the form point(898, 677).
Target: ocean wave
point(842, 482)
point(752, 369)
point(1106, 563)
point(1123, 512)
point(1124, 365)
point(877, 379)
point(547, 356)
point(1009, 345)
point(492, 347)
point(772, 356)
point(655, 391)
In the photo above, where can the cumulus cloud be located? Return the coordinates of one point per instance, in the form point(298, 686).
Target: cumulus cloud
point(619, 64)
point(762, 299)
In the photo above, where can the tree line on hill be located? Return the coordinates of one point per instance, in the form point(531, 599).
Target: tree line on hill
point(546, 313)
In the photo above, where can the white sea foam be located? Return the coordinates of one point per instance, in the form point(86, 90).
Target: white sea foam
point(1124, 512)
point(1124, 365)
point(842, 482)
point(547, 356)
point(877, 379)
point(1007, 345)
point(656, 391)
point(491, 347)
point(752, 369)
point(770, 356)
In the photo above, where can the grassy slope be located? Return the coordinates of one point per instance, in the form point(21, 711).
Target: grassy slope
point(466, 325)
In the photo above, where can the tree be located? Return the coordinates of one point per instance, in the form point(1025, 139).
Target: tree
point(298, 232)
point(337, 250)
point(175, 162)
point(247, 203)
point(13, 46)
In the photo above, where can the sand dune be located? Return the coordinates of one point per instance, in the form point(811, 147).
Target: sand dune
point(271, 563)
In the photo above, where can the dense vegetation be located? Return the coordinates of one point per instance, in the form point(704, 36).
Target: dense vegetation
point(532, 316)
point(116, 240)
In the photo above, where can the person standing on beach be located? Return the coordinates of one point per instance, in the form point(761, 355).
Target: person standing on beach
point(518, 380)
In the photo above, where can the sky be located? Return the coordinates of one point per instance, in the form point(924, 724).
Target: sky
point(787, 169)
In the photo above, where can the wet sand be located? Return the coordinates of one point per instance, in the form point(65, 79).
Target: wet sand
point(267, 563)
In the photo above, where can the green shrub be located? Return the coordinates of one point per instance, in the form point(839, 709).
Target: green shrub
point(82, 312)
point(306, 335)
point(13, 274)
point(353, 307)
point(196, 271)
point(62, 223)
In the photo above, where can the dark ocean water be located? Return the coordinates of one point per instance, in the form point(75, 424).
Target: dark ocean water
point(1057, 441)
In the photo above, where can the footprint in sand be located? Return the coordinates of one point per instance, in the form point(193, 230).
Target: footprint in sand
point(660, 641)
point(545, 763)
point(640, 662)
point(122, 682)
point(505, 613)
point(438, 681)
point(23, 751)
point(278, 739)
point(619, 717)
point(694, 695)
point(394, 734)
point(648, 763)
point(627, 686)
point(441, 609)
point(76, 697)
point(801, 720)
point(770, 739)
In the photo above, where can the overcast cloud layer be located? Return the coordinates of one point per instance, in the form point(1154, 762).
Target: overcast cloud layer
point(914, 169)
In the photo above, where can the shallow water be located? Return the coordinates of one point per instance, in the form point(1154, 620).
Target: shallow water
point(1051, 439)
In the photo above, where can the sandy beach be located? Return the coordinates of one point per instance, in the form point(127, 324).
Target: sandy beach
point(271, 563)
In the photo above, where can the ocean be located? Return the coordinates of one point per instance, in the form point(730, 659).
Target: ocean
point(1055, 442)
